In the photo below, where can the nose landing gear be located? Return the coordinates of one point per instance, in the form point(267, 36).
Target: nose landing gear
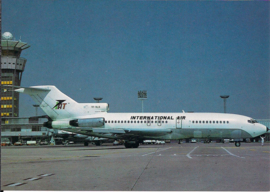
point(237, 143)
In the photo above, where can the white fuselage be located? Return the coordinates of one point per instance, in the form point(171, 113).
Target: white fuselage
point(65, 113)
point(183, 125)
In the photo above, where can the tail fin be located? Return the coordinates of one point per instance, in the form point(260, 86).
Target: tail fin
point(59, 106)
point(53, 102)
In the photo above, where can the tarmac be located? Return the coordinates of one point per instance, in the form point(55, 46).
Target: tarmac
point(169, 167)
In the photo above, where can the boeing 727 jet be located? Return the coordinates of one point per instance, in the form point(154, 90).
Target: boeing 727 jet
point(94, 119)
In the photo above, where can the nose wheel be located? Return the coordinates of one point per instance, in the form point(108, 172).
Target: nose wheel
point(237, 144)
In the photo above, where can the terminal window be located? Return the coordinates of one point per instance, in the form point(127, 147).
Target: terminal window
point(6, 82)
point(6, 106)
point(15, 129)
point(36, 128)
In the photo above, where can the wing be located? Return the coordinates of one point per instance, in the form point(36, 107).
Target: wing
point(133, 133)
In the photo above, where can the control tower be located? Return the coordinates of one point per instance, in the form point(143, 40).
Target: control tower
point(12, 67)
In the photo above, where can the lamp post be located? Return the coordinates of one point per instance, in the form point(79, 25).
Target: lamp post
point(97, 99)
point(224, 97)
point(142, 95)
point(36, 106)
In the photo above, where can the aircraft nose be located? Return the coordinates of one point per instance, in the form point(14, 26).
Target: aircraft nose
point(267, 129)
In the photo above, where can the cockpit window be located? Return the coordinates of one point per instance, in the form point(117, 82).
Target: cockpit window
point(252, 121)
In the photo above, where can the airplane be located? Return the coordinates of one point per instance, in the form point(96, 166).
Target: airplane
point(93, 119)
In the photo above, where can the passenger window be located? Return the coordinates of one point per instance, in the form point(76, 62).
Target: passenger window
point(115, 121)
point(213, 121)
point(138, 121)
point(206, 121)
point(131, 121)
point(227, 121)
point(125, 121)
point(203, 122)
point(200, 121)
point(216, 121)
point(223, 121)
point(166, 121)
point(118, 121)
point(196, 121)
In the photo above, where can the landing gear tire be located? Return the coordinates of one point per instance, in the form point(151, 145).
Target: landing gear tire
point(127, 145)
point(98, 143)
point(132, 145)
point(237, 144)
point(135, 145)
point(85, 143)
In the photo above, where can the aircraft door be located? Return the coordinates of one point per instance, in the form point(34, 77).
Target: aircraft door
point(179, 122)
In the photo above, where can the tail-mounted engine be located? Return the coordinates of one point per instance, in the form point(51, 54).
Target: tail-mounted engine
point(91, 122)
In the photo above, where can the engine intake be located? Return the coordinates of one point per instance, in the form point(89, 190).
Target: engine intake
point(91, 122)
point(48, 124)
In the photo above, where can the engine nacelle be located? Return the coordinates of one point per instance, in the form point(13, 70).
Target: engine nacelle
point(91, 122)
point(57, 124)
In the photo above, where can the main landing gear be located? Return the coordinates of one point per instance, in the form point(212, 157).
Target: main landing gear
point(131, 144)
point(207, 141)
point(97, 143)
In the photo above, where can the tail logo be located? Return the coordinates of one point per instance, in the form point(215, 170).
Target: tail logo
point(60, 104)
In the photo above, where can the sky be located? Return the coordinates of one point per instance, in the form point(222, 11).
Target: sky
point(184, 53)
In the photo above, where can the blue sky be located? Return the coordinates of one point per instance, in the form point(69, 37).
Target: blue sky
point(185, 54)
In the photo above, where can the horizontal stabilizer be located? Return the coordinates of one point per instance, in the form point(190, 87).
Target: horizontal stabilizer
point(32, 117)
point(22, 89)
point(21, 124)
point(31, 89)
